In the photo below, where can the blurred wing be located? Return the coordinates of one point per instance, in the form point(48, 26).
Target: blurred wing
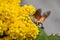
point(44, 16)
point(37, 14)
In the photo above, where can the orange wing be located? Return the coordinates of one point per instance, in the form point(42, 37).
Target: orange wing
point(44, 16)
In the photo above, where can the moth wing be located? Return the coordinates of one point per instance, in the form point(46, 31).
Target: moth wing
point(44, 16)
point(37, 14)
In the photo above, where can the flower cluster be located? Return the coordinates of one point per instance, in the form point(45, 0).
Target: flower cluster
point(15, 21)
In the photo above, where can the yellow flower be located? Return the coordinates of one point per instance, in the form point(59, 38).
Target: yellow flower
point(15, 20)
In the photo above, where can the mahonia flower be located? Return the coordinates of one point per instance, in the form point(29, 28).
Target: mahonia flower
point(15, 21)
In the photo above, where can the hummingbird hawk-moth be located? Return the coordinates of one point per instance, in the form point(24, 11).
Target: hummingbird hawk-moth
point(38, 18)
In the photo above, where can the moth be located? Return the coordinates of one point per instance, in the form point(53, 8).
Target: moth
point(38, 18)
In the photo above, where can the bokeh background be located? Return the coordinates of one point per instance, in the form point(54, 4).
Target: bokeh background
point(52, 23)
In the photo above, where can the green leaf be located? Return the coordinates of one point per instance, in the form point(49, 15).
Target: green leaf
point(54, 37)
point(42, 35)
